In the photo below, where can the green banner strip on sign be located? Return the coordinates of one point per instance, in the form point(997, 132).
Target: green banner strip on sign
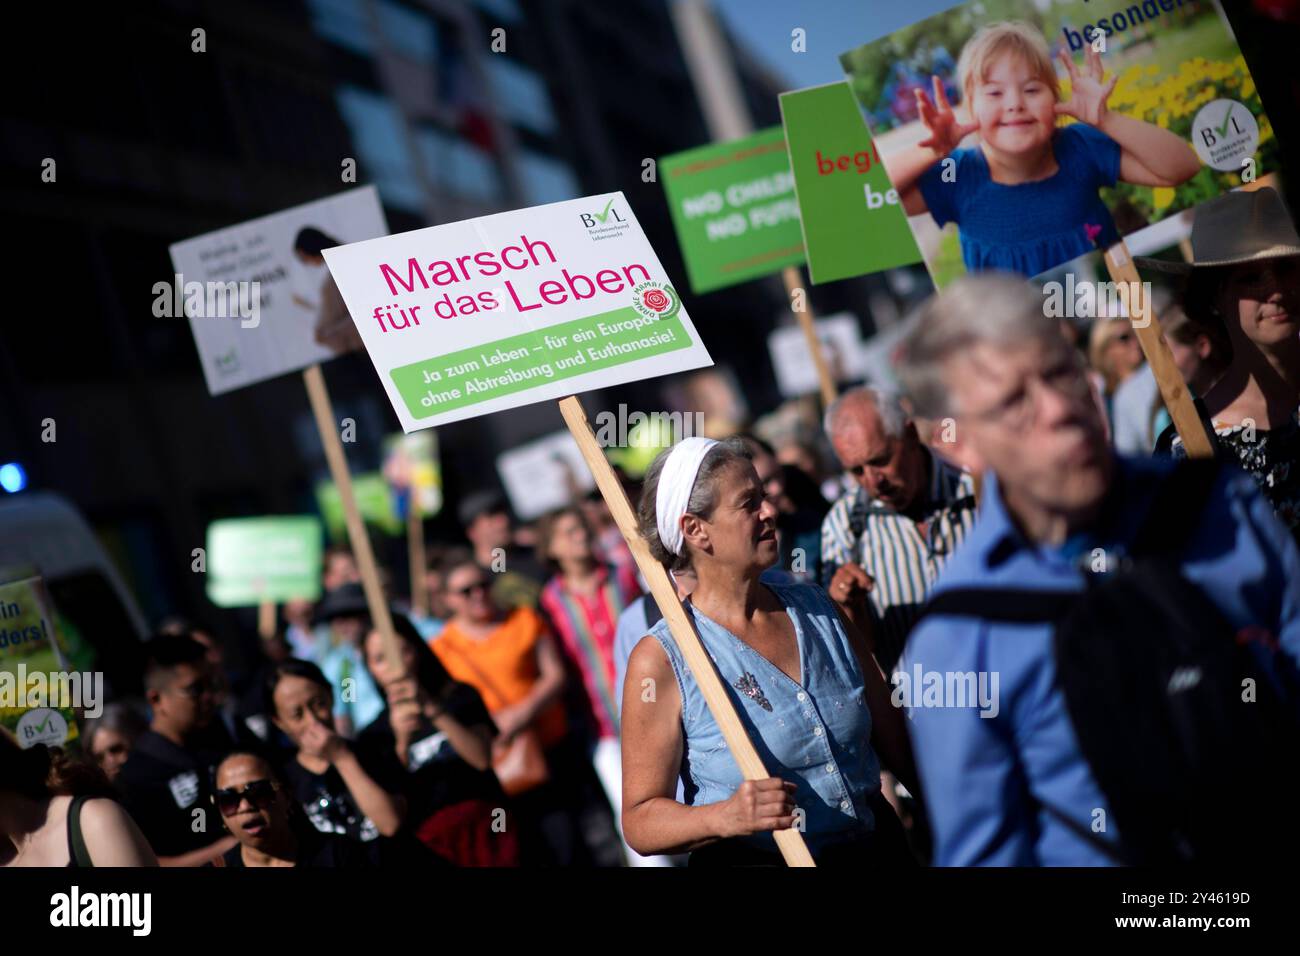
point(521, 362)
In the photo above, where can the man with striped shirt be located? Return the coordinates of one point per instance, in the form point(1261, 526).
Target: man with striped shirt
point(884, 542)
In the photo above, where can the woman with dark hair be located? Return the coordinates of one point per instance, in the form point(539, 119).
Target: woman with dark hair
point(800, 509)
point(326, 777)
point(55, 811)
point(800, 675)
point(334, 327)
point(257, 809)
point(1245, 277)
point(433, 745)
point(583, 601)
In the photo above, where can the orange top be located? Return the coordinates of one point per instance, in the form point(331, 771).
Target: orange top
point(502, 667)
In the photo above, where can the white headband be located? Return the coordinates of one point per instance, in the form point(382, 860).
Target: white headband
point(676, 481)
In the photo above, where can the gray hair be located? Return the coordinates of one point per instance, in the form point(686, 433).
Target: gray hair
point(118, 716)
point(703, 499)
point(887, 404)
point(998, 310)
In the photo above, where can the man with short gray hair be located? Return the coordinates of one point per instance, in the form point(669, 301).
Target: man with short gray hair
point(1064, 522)
point(884, 542)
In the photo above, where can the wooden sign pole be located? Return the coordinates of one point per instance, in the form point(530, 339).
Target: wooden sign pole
point(361, 550)
point(416, 557)
point(266, 620)
point(790, 842)
point(793, 279)
point(1147, 328)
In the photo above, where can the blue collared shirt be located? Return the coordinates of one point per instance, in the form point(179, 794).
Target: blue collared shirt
point(987, 780)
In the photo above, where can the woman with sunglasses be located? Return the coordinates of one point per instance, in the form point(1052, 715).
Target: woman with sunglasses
point(513, 662)
point(258, 811)
point(432, 745)
point(55, 811)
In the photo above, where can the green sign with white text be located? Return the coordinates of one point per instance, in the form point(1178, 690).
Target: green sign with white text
point(734, 209)
point(251, 560)
point(852, 221)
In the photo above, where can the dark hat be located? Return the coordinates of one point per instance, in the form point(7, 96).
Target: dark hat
point(1233, 228)
point(346, 600)
point(479, 503)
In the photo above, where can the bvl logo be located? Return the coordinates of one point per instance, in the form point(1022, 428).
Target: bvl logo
point(608, 216)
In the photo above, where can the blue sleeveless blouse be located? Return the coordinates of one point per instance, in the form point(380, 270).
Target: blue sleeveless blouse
point(815, 734)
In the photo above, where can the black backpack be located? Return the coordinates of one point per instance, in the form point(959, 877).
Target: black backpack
point(1154, 680)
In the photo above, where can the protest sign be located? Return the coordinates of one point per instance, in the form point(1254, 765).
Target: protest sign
point(852, 222)
point(288, 316)
point(734, 209)
point(412, 472)
point(1058, 128)
point(373, 498)
point(1174, 120)
point(543, 475)
point(487, 314)
point(253, 561)
point(533, 272)
point(841, 343)
point(37, 693)
point(258, 296)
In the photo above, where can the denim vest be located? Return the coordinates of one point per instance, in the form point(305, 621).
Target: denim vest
point(815, 735)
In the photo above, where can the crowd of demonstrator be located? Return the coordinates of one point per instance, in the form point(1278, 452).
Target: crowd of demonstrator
point(1077, 658)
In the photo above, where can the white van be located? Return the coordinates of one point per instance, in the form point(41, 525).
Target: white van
point(99, 623)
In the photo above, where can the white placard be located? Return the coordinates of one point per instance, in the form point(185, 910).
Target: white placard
point(257, 306)
point(539, 475)
point(478, 316)
point(841, 344)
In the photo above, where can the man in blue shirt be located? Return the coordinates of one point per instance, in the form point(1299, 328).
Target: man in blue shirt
point(1005, 779)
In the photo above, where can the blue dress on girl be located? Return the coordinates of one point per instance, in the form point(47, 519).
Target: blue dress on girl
point(1031, 227)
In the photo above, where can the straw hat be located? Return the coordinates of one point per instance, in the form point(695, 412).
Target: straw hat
point(1233, 228)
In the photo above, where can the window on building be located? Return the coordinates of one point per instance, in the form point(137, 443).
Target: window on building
point(507, 10)
point(343, 22)
point(460, 167)
point(546, 179)
point(520, 95)
point(382, 157)
point(408, 32)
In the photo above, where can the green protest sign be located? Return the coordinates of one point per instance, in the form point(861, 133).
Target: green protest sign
point(37, 693)
point(374, 502)
point(734, 209)
point(257, 560)
point(852, 222)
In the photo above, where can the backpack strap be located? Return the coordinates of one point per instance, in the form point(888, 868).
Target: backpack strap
point(78, 853)
point(1117, 854)
point(1183, 495)
point(1005, 605)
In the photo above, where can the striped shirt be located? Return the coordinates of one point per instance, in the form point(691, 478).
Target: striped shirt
point(902, 555)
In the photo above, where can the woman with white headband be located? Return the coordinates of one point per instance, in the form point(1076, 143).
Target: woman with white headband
point(807, 690)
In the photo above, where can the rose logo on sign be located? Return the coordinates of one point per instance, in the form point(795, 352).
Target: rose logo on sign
point(656, 300)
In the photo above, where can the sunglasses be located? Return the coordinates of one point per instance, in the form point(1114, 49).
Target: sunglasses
point(260, 793)
point(469, 589)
